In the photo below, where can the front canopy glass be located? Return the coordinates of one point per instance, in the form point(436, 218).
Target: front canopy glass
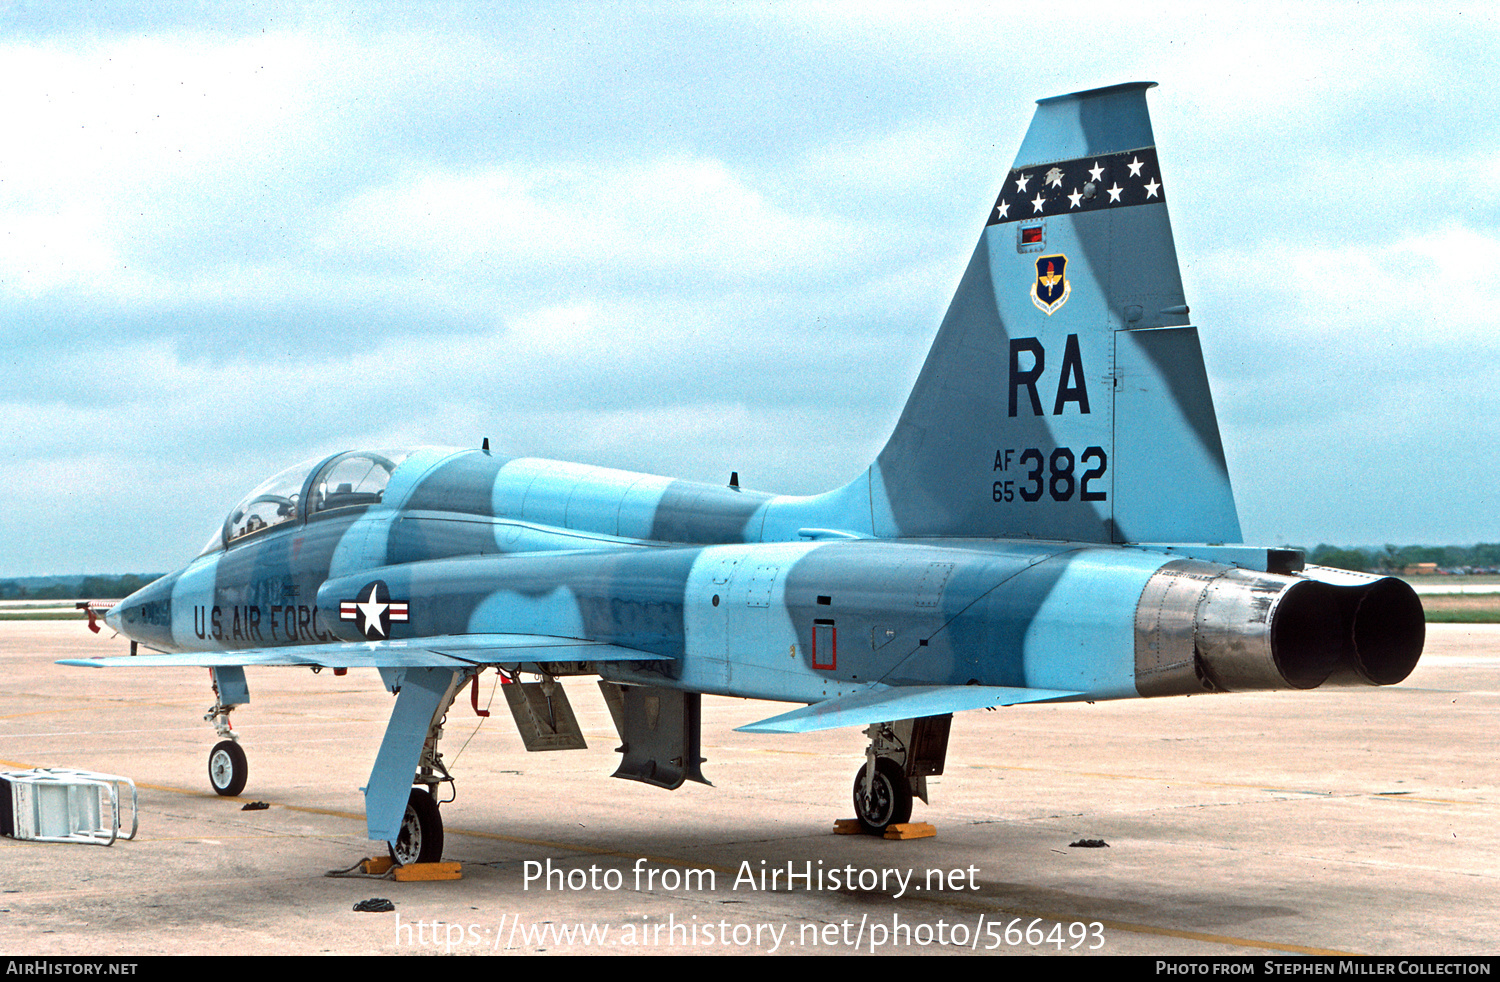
point(349, 480)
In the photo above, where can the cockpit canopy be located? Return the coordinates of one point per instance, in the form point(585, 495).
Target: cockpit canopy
point(312, 488)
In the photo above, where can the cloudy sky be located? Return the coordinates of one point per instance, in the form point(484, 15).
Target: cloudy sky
point(695, 238)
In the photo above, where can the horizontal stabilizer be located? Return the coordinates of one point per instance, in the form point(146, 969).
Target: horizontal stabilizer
point(456, 651)
point(906, 702)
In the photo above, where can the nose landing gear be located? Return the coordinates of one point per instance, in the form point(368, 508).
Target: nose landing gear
point(227, 767)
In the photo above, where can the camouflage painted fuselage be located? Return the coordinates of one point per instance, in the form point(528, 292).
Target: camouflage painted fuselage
point(475, 543)
point(1051, 519)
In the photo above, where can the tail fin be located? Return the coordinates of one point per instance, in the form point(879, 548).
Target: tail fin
point(1064, 396)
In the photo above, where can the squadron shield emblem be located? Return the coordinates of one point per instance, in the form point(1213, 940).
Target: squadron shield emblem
point(1051, 289)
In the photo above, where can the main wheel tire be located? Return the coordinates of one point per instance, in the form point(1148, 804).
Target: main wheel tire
point(227, 768)
point(421, 838)
point(888, 801)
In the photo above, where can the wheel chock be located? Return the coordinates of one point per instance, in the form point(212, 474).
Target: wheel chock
point(904, 830)
point(377, 866)
point(428, 871)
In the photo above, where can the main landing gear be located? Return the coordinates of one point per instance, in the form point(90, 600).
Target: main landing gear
point(882, 798)
point(901, 756)
point(421, 838)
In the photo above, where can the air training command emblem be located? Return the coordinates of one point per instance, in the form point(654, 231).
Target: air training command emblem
point(1051, 289)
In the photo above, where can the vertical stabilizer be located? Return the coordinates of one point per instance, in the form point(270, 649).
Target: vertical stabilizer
point(1065, 396)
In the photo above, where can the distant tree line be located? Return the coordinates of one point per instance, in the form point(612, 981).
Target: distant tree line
point(75, 587)
point(1481, 558)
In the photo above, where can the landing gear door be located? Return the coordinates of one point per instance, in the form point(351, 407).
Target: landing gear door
point(659, 734)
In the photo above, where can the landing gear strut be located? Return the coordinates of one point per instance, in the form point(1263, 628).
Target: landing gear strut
point(419, 838)
point(227, 767)
point(901, 756)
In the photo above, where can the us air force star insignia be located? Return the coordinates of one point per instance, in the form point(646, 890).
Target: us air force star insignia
point(373, 614)
point(1051, 288)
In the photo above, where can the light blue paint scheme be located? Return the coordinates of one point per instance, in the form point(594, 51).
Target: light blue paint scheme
point(882, 518)
point(1245, 557)
point(1171, 483)
point(1098, 121)
point(522, 537)
point(230, 682)
point(704, 625)
point(578, 496)
point(763, 657)
point(1082, 635)
point(421, 697)
point(363, 546)
point(194, 588)
point(457, 651)
point(847, 508)
point(746, 644)
point(538, 491)
point(638, 506)
point(555, 614)
point(1051, 519)
point(881, 702)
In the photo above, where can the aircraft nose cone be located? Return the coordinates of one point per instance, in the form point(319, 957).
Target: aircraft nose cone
point(146, 615)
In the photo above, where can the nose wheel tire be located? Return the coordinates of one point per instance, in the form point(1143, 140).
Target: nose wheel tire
point(421, 837)
point(227, 768)
point(888, 801)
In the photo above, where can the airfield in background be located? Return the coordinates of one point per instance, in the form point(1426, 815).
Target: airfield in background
point(1357, 821)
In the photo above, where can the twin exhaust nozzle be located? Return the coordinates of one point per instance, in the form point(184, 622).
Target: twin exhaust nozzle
point(1202, 627)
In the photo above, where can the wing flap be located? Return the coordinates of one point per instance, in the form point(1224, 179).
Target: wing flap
point(904, 702)
point(457, 651)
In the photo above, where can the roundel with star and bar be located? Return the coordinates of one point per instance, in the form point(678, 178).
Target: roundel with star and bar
point(373, 611)
point(1065, 187)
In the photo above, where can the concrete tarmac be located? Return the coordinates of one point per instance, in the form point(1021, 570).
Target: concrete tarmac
point(1341, 821)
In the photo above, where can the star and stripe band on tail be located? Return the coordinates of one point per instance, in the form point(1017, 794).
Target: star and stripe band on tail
point(1085, 184)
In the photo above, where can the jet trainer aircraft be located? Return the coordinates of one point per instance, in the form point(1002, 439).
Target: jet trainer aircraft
point(1051, 521)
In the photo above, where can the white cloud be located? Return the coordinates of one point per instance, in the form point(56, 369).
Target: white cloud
point(693, 218)
point(624, 237)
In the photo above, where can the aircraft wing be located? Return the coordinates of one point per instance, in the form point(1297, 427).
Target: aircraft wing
point(900, 702)
point(455, 651)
